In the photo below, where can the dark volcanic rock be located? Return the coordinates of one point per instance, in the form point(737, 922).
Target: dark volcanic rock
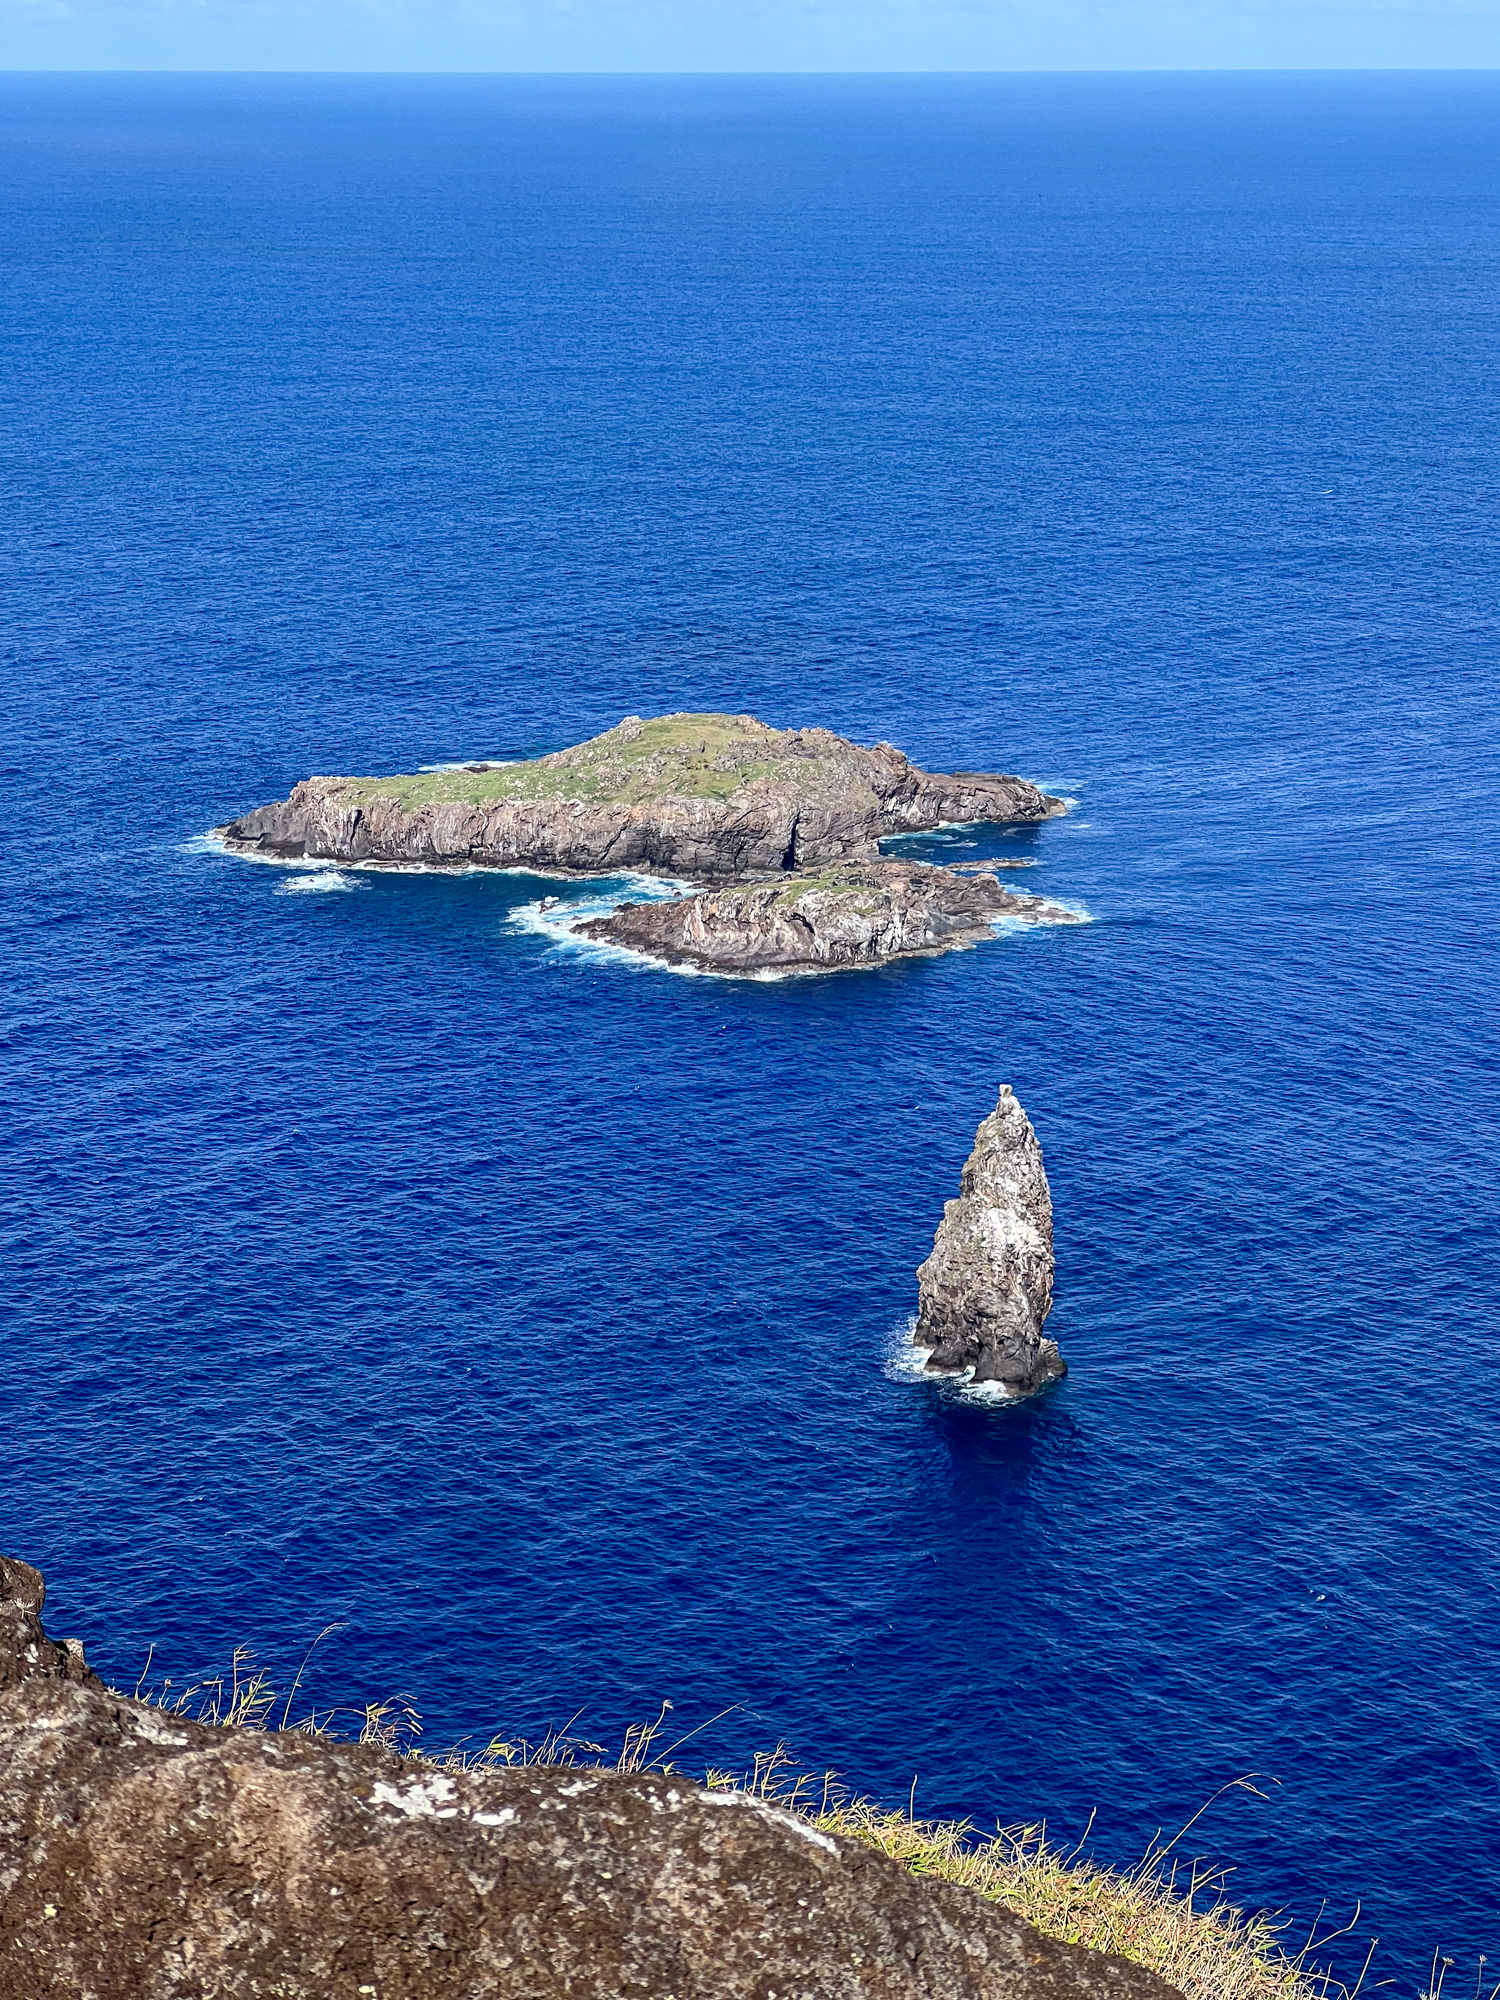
point(143, 1856)
point(850, 914)
point(703, 796)
point(986, 1289)
point(26, 1653)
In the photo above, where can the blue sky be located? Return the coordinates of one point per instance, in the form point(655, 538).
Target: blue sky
point(748, 34)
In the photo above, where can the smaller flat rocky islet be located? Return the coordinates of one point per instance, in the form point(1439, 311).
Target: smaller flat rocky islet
point(781, 828)
point(851, 913)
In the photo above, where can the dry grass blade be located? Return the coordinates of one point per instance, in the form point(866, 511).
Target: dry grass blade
point(1169, 1914)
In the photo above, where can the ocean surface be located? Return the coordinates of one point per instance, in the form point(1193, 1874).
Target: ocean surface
point(373, 1258)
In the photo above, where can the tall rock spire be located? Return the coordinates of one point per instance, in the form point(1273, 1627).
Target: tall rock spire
point(986, 1289)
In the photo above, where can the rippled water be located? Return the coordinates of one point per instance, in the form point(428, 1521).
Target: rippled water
point(374, 1256)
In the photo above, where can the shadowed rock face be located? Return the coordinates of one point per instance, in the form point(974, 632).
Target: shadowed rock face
point(707, 797)
point(142, 1856)
point(849, 914)
point(986, 1289)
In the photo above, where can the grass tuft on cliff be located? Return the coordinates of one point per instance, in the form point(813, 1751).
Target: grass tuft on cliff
point(1170, 1915)
point(1172, 1919)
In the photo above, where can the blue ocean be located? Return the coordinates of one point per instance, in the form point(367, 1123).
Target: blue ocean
point(375, 1258)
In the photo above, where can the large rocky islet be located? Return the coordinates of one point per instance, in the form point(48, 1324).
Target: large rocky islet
point(779, 831)
point(708, 798)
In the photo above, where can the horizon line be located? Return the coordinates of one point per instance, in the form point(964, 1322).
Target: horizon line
point(1119, 69)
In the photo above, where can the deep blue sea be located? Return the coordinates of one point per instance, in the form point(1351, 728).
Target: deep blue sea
point(371, 1257)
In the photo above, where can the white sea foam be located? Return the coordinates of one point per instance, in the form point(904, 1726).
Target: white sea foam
point(938, 826)
point(307, 864)
point(556, 918)
point(315, 882)
point(215, 843)
point(1011, 925)
point(467, 763)
point(907, 1362)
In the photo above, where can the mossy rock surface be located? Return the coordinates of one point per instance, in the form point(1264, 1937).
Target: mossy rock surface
point(671, 756)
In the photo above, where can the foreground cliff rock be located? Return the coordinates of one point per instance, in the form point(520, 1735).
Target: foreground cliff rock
point(850, 914)
point(143, 1856)
point(986, 1289)
point(705, 797)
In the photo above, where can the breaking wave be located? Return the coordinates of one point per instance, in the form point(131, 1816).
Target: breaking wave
point(468, 763)
point(556, 918)
point(316, 881)
point(907, 1363)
